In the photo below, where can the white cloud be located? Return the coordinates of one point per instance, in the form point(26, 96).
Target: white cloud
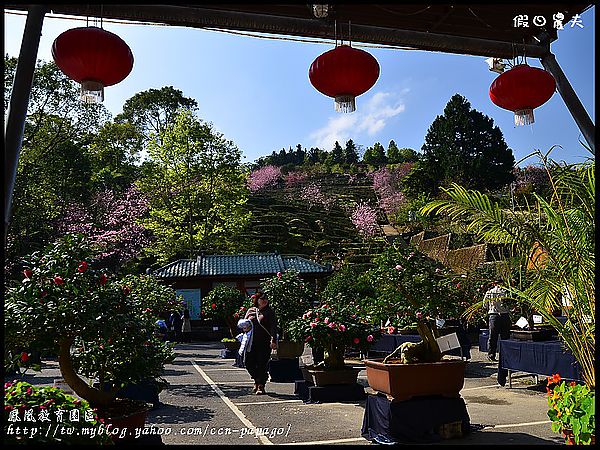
point(371, 116)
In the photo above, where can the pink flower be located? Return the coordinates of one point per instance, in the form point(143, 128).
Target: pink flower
point(8, 408)
point(316, 319)
point(58, 280)
point(356, 340)
point(331, 325)
point(29, 391)
point(419, 315)
point(370, 338)
point(342, 327)
point(309, 313)
point(399, 267)
point(28, 273)
point(82, 267)
point(313, 324)
point(147, 310)
point(278, 274)
point(391, 330)
point(458, 286)
point(326, 320)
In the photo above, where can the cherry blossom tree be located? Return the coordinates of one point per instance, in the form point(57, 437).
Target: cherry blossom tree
point(263, 178)
point(364, 218)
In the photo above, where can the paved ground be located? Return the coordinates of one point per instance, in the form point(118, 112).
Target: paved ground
point(211, 402)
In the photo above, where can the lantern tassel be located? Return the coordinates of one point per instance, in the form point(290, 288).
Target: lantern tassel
point(92, 91)
point(524, 117)
point(345, 103)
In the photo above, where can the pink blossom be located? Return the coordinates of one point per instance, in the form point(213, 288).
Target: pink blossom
point(278, 274)
point(399, 267)
point(263, 178)
point(356, 340)
point(331, 325)
point(58, 280)
point(419, 315)
point(313, 324)
point(370, 338)
point(364, 218)
point(342, 327)
point(326, 320)
point(391, 330)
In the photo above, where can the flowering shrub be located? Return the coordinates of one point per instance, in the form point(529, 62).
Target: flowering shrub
point(312, 196)
point(531, 179)
point(43, 404)
point(364, 218)
point(571, 408)
point(402, 274)
point(333, 330)
point(294, 178)
point(63, 300)
point(387, 185)
point(288, 295)
point(263, 178)
point(221, 304)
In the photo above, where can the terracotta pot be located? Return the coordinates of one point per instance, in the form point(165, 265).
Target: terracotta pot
point(320, 377)
point(232, 346)
point(289, 349)
point(404, 381)
point(125, 414)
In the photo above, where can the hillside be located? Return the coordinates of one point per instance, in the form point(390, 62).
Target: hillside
point(284, 222)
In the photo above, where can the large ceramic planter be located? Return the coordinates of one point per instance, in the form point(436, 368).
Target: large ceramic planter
point(404, 381)
point(125, 414)
point(289, 349)
point(320, 377)
point(543, 334)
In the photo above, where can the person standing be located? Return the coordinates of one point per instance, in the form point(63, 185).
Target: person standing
point(186, 328)
point(498, 317)
point(264, 339)
point(176, 323)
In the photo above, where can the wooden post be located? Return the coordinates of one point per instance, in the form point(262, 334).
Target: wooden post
point(582, 119)
point(19, 101)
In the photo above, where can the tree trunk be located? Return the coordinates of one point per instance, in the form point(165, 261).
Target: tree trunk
point(334, 357)
point(94, 396)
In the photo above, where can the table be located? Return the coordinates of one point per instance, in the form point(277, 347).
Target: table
point(387, 343)
point(535, 357)
point(417, 420)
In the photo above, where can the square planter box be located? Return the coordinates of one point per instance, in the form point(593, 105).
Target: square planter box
point(404, 381)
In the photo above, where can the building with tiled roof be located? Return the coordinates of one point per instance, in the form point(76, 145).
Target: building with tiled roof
point(194, 278)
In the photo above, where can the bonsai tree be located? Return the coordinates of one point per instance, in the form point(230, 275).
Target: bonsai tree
point(289, 296)
point(87, 316)
point(334, 330)
point(221, 304)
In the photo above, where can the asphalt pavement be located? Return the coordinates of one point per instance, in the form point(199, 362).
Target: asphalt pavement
point(210, 402)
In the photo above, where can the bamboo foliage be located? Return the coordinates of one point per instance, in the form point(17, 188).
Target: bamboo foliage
point(563, 228)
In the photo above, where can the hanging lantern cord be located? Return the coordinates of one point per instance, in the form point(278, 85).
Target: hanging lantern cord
point(101, 15)
point(335, 31)
point(350, 33)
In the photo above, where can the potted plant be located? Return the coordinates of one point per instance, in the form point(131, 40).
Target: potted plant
point(333, 330)
point(417, 287)
point(289, 296)
point(23, 400)
point(221, 304)
point(97, 328)
point(572, 411)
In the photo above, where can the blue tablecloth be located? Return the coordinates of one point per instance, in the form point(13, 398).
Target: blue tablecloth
point(412, 421)
point(387, 343)
point(541, 357)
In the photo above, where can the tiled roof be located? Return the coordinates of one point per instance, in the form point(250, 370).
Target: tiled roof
point(232, 265)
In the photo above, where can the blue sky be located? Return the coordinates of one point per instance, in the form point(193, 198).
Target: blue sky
point(257, 92)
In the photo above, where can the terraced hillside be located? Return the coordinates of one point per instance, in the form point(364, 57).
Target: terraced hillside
point(284, 222)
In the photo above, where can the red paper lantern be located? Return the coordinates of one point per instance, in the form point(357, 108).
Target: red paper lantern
point(344, 73)
point(93, 57)
point(521, 89)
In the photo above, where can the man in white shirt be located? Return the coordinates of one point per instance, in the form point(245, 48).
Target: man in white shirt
point(498, 318)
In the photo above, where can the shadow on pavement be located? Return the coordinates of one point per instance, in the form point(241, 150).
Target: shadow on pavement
point(478, 369)
point(167, 413)
point(501, 438)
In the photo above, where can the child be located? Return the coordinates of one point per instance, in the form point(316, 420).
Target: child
point(245, 337)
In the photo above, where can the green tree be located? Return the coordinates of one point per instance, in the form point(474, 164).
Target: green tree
point(375, 155)
point(337, 154)
point(393, 153)
point(152, 111)
point(197, 190)
point(463, 146)
point(350, 153)
point(54, 165)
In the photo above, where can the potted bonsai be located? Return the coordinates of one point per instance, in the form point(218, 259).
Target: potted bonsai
point(221, 304)
point(417, 286)
point(99, 330)
point(289, 296)
point(334, 330)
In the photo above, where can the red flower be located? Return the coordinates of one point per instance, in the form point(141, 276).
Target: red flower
point(24, 357)
point(103, 279)
point(82, 267)
point(356, 340)
point(242, 308)
point(391, 330)
point(370, 338)
point(213, 306)
point(572, 383)
point(554, 379)
point(58, 281)
point(28, 273)
point(458, 286)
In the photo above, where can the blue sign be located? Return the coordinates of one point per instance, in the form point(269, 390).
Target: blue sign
point(192, 299)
